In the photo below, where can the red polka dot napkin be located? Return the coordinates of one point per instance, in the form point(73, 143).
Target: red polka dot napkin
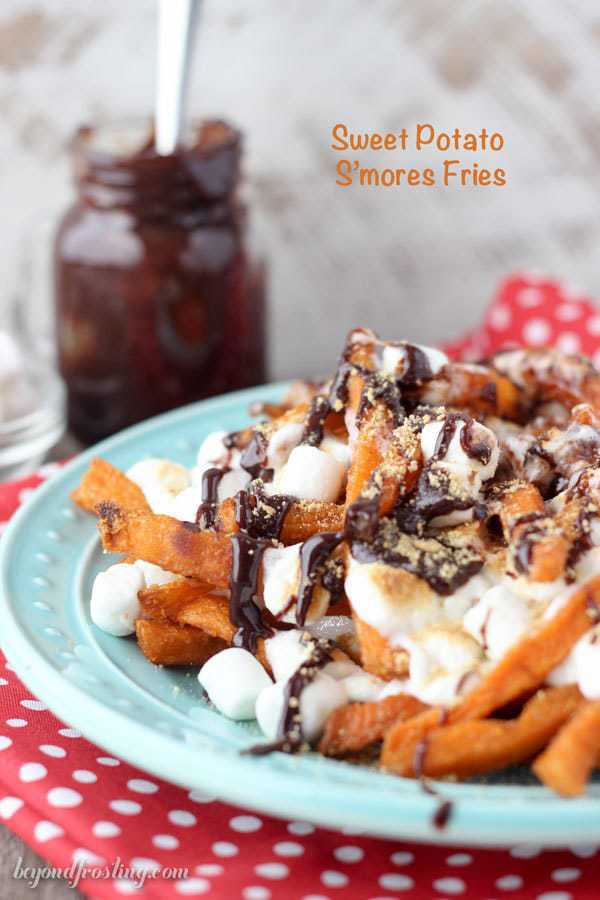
point(117, 831)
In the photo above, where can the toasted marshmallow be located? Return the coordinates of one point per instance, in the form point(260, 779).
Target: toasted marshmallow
point(311, 474)
point(160, 480)
point(213, 452)
point(394, 358)
point(281, 444)
point(363, 687)
point(154, 575)
point(392, 600)
point(442, 661)
point(233, 679)
point(472, 471)
point(281, 575)
point(286, 653)
point(114, 605)
point(338, 449)
point(463, 470)
point(457, 604)
point(498, 620)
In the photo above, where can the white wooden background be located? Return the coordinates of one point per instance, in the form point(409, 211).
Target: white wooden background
point(419, 263)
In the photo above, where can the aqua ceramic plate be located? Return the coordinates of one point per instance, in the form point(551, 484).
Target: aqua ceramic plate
point(156, 719)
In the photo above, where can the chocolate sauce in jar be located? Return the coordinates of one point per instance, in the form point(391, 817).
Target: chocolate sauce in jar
point(158, 299)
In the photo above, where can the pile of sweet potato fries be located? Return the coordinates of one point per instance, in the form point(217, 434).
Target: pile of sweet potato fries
point(511, 715)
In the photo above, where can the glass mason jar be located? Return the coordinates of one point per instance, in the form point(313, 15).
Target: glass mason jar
point(158, 300)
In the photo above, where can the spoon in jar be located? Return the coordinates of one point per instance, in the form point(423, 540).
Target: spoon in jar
point(176, 21)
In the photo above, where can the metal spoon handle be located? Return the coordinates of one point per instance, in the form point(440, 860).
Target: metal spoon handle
point(176, 21)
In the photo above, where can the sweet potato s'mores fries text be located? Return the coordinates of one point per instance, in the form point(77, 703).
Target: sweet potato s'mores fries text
point(382, 562)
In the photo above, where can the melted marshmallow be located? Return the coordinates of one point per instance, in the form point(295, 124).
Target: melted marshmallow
point(161, 480)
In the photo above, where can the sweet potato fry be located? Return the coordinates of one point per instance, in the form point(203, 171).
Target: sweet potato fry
point(536, 545)
point(104, 483)
point(386, 460)
point(477, 388)
point(351, 728)
point(190, 603)
point(301, 521)
point(482, 745)
point(521, 670)
point(566, 764)
point(378, 656)
point(166, 644)
point(167, 542)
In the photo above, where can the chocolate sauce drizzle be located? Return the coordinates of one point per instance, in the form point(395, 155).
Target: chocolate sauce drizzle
point(254, 455)
point(206, 515)
point(289, 734)
point(314, 425)
point(444, 565)
point(534, 526)
point(442, 815)
point(314, 554)
point(592, 609)
point(261, 515)
point(247, 553)
point(433, 496)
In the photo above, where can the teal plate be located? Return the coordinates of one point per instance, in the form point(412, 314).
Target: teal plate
point(156, 718)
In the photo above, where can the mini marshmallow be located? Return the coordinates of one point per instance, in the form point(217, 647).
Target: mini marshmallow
point(338, 449)
point(269, 709)
point(311, 474)
point(281, 575)
point(282, 442)
point(342, 668)
point(439, 660)
point(154, 575)
point(363, 687)
point(213, 451)
point(456, 460)
point(185, 505)
point(317, 701)
point(233, 679)
point(114, 604)
point(286, 653)
point(498, 620)
point(160, 480)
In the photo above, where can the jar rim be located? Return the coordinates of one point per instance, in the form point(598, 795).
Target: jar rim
point(203, 169)
point(202, 137)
